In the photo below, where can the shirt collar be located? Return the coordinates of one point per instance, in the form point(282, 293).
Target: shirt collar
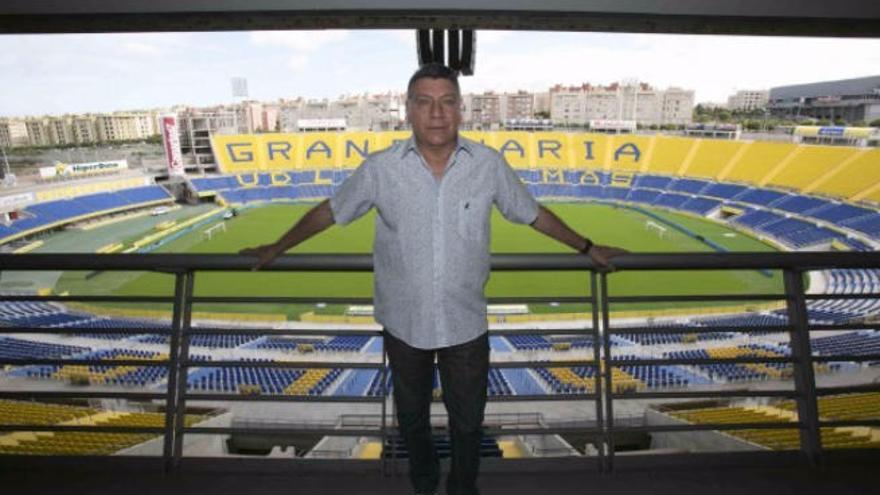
point(461, 144)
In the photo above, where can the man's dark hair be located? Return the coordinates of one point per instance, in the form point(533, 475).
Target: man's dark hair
point(433, 71)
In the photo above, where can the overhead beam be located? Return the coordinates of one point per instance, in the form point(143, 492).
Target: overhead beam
point(843, 18)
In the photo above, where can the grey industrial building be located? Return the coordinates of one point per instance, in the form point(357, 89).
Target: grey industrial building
point(850, 100)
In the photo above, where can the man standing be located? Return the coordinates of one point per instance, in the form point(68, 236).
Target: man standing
point(434, 194)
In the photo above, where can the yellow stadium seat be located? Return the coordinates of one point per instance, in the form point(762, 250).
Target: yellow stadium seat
point(74, 443)
point(668, 155)
point(759, 159)
point(712, 157)
point(809, 165)
point(839, 182)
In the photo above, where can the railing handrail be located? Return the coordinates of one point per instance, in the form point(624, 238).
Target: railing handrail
point(499, 262)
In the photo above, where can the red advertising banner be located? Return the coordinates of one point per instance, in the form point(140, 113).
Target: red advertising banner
point(171, 140)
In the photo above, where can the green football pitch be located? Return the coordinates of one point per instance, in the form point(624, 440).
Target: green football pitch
point(605, 224)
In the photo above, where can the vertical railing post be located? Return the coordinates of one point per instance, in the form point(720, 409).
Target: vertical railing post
point(383, 373)
point(183, 369)
point(597, 369)
point(804, 377)
point(607, 372)
point(180, 284)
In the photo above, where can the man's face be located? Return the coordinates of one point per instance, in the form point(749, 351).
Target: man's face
point(434, 111)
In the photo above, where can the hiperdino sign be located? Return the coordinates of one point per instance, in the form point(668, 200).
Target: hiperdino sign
point(80, 169)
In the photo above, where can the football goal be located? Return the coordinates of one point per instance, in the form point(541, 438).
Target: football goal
point(213, 230)
point(651, 225)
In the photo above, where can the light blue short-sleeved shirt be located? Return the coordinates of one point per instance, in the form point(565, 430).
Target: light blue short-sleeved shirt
point(431, 251)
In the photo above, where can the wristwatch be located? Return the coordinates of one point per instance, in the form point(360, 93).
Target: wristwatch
point(588, 244)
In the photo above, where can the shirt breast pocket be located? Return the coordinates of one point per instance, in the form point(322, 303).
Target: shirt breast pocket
point(472, 220)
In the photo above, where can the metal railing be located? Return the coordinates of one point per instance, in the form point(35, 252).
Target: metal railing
point(186, 267)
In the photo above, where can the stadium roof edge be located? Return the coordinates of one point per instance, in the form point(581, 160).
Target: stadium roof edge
point(844, 18)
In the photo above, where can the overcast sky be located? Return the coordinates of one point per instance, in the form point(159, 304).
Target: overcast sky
point(55, 74)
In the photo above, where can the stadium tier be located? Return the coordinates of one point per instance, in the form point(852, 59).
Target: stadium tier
point(546, 379)
point(12, 348)
point(866, 342)
point(734, 372)
point(48, 214)
point(35, 413)
point(806, 188)
point(282, 381)
point(838, 407)
point(358, 382)
point(674, 338)
point(664, 376)
point(691, 186)
point(75, 443)
point(844, 407)
point(744, 321)
point(10, 310)
point(352, 343)
point(141, 376)
point(723, 191)
point(57, 316)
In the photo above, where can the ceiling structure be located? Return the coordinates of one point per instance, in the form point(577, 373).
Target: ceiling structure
point(840, 18)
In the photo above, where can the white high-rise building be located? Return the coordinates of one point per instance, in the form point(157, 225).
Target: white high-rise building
point(568, 105)
point(631, 101)
point(376, 112)
point(542, 103)
point(13, 132)
point(748, 99)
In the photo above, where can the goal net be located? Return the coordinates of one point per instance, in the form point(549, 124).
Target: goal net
point(653, 226)
point(213, 230)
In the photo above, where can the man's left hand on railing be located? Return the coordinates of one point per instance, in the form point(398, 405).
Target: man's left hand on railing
point(552, 226)
point(265, 254)
point(314, 221)
point(602, 255)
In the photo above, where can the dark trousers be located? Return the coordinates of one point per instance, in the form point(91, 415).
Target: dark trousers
point(464, 373)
